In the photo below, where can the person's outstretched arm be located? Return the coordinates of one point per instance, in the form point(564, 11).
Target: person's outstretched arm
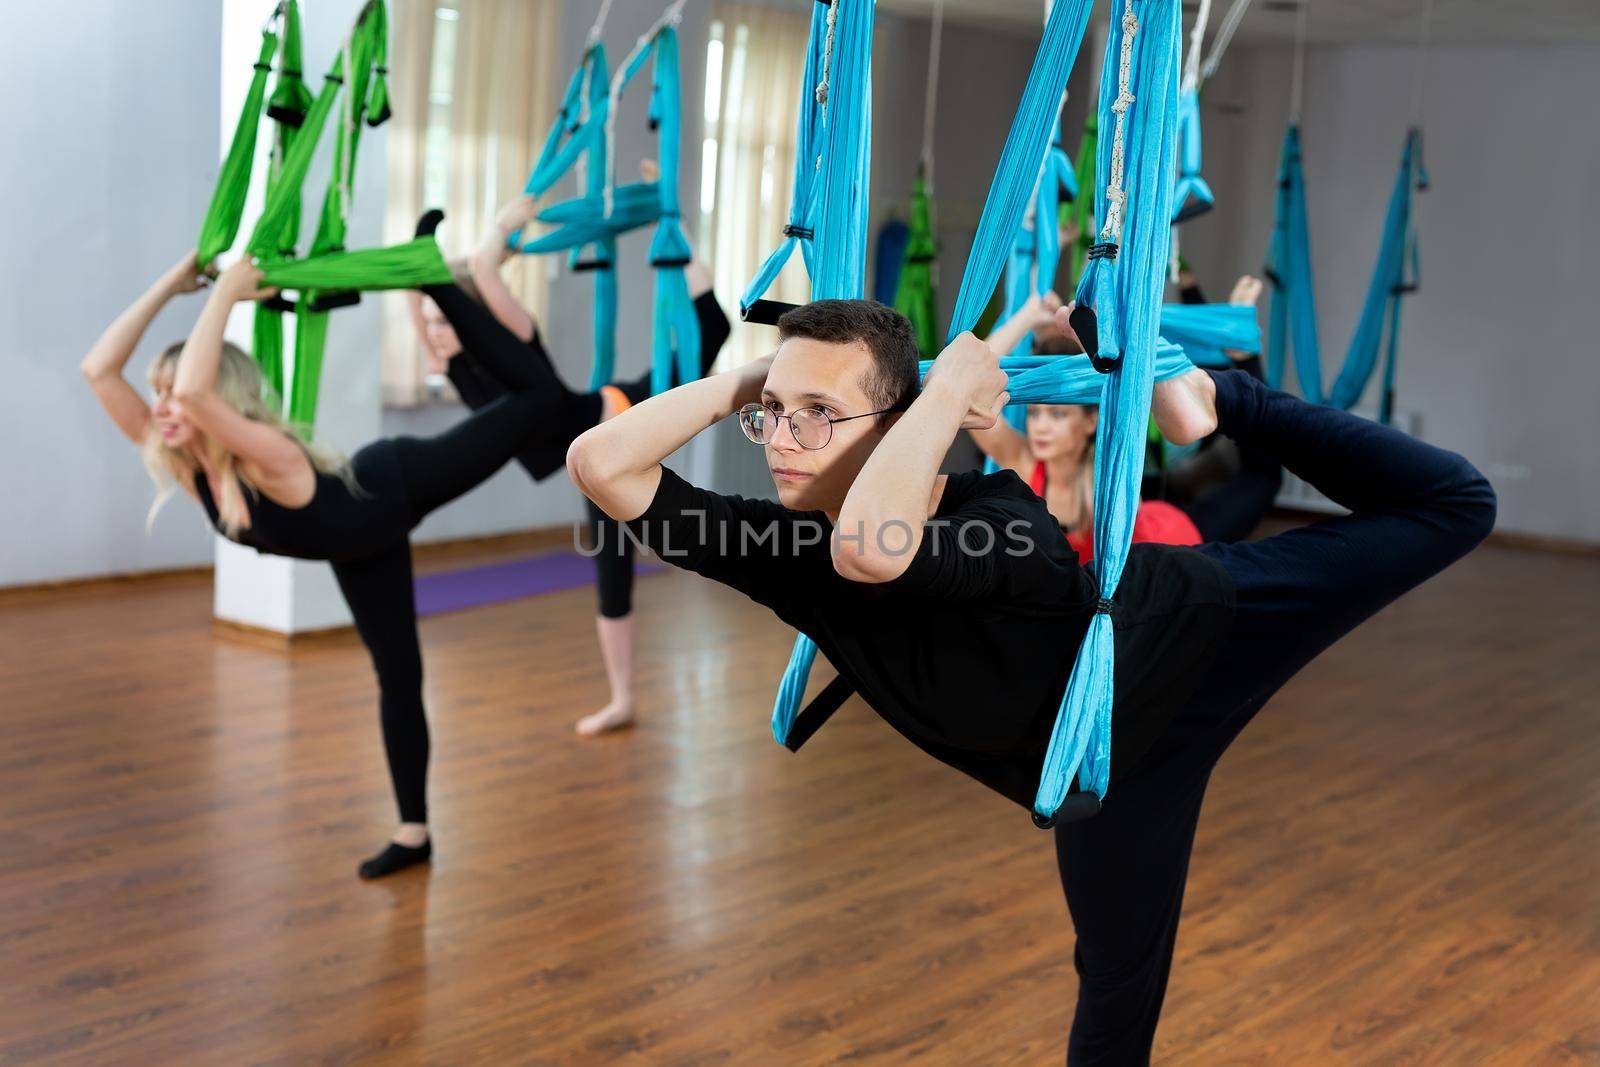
point(881, 523)
point(491, 255)
point(1036, 314)
point(617, 464)
point(267, 452)
point(103, 366)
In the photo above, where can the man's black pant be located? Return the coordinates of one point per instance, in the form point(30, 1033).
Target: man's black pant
point(1415, 509)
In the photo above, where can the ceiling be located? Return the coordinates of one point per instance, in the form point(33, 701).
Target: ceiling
point(1458, 22)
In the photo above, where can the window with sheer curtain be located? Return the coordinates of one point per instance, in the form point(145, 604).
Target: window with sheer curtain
point(473, 85)
point(755, 58)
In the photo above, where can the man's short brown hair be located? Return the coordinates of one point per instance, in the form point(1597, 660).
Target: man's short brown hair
point(892, 381)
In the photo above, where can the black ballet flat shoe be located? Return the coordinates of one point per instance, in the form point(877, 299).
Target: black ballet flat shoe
point(395, 858)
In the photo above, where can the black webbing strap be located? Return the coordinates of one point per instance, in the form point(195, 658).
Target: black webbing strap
point(766, 312)
point(820, 708)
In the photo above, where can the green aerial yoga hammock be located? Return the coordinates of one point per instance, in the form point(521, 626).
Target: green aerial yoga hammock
point(221, 224)
point(1080, 212)
point(328, 279)
point(290, 103)
point(915, 297)
point(411, 265)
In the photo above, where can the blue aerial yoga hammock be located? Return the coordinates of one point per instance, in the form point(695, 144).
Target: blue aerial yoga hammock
point(1206, 331)
point(1294, 301)
point(1122, 296)
point(1193, 197)
point(584, 129)
point(1118, 318)
point(1036, 252)
point(827, 219)
point(675, 357)
point(579, 132)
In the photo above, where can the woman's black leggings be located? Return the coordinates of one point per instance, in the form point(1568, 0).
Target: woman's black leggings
point(428, 472)
point(1415, 509)
point(477, 383)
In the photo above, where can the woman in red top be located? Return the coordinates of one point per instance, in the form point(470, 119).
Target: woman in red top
point(1056, 457)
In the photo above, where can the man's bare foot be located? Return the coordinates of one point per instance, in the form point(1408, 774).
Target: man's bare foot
point(611, 717)
point(1185, 407)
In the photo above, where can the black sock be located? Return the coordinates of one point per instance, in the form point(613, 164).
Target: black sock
point(395, 858)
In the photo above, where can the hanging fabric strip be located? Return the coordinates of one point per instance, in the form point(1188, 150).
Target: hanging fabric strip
point(836, 128)
point(807, 163)
point(291, 102)
point(221, 224)
point(1293, 319)
point(1073, 379)
point(1139, 95)
point(1207, 331)
point(1027, 143)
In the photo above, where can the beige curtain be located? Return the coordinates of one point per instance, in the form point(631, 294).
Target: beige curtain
point(750, 126)
point(502, 102)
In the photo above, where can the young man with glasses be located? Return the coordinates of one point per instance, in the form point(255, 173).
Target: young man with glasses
point(954, 605)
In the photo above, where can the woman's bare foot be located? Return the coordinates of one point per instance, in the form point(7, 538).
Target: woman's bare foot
point(1246, 291)
point(1185, 407)
point(613, 716)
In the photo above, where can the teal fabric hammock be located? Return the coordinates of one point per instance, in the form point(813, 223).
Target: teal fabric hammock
point(579, 132)
point(827, 216)
point(1193, 197)
point(675, 349)
point(827, 209)
point(1073, 379)
point(1118, 317)
point(591, 223)
point(1293, 320)
point(1206, 331)
point(1036, 254)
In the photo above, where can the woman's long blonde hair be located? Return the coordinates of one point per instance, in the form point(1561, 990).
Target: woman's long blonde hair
point(241, 387)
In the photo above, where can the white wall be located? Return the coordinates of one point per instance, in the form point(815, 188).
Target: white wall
point(110, 154)
point(1497, 352)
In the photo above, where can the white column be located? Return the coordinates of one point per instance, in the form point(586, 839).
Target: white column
point(270, 592)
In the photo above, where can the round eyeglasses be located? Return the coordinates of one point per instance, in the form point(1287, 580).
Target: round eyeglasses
point(812, 427)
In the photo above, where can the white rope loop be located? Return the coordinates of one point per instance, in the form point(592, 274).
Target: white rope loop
point(827, 56)
point(1197, 36)
point(1116, 196)
point(672, 16)
point(599, 23)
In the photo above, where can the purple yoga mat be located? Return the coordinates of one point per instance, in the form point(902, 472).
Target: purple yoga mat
point(497, 582)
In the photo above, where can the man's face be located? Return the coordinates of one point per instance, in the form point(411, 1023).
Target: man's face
point(807, 373)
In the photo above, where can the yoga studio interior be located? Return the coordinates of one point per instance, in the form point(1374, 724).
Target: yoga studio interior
point(784, 533)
